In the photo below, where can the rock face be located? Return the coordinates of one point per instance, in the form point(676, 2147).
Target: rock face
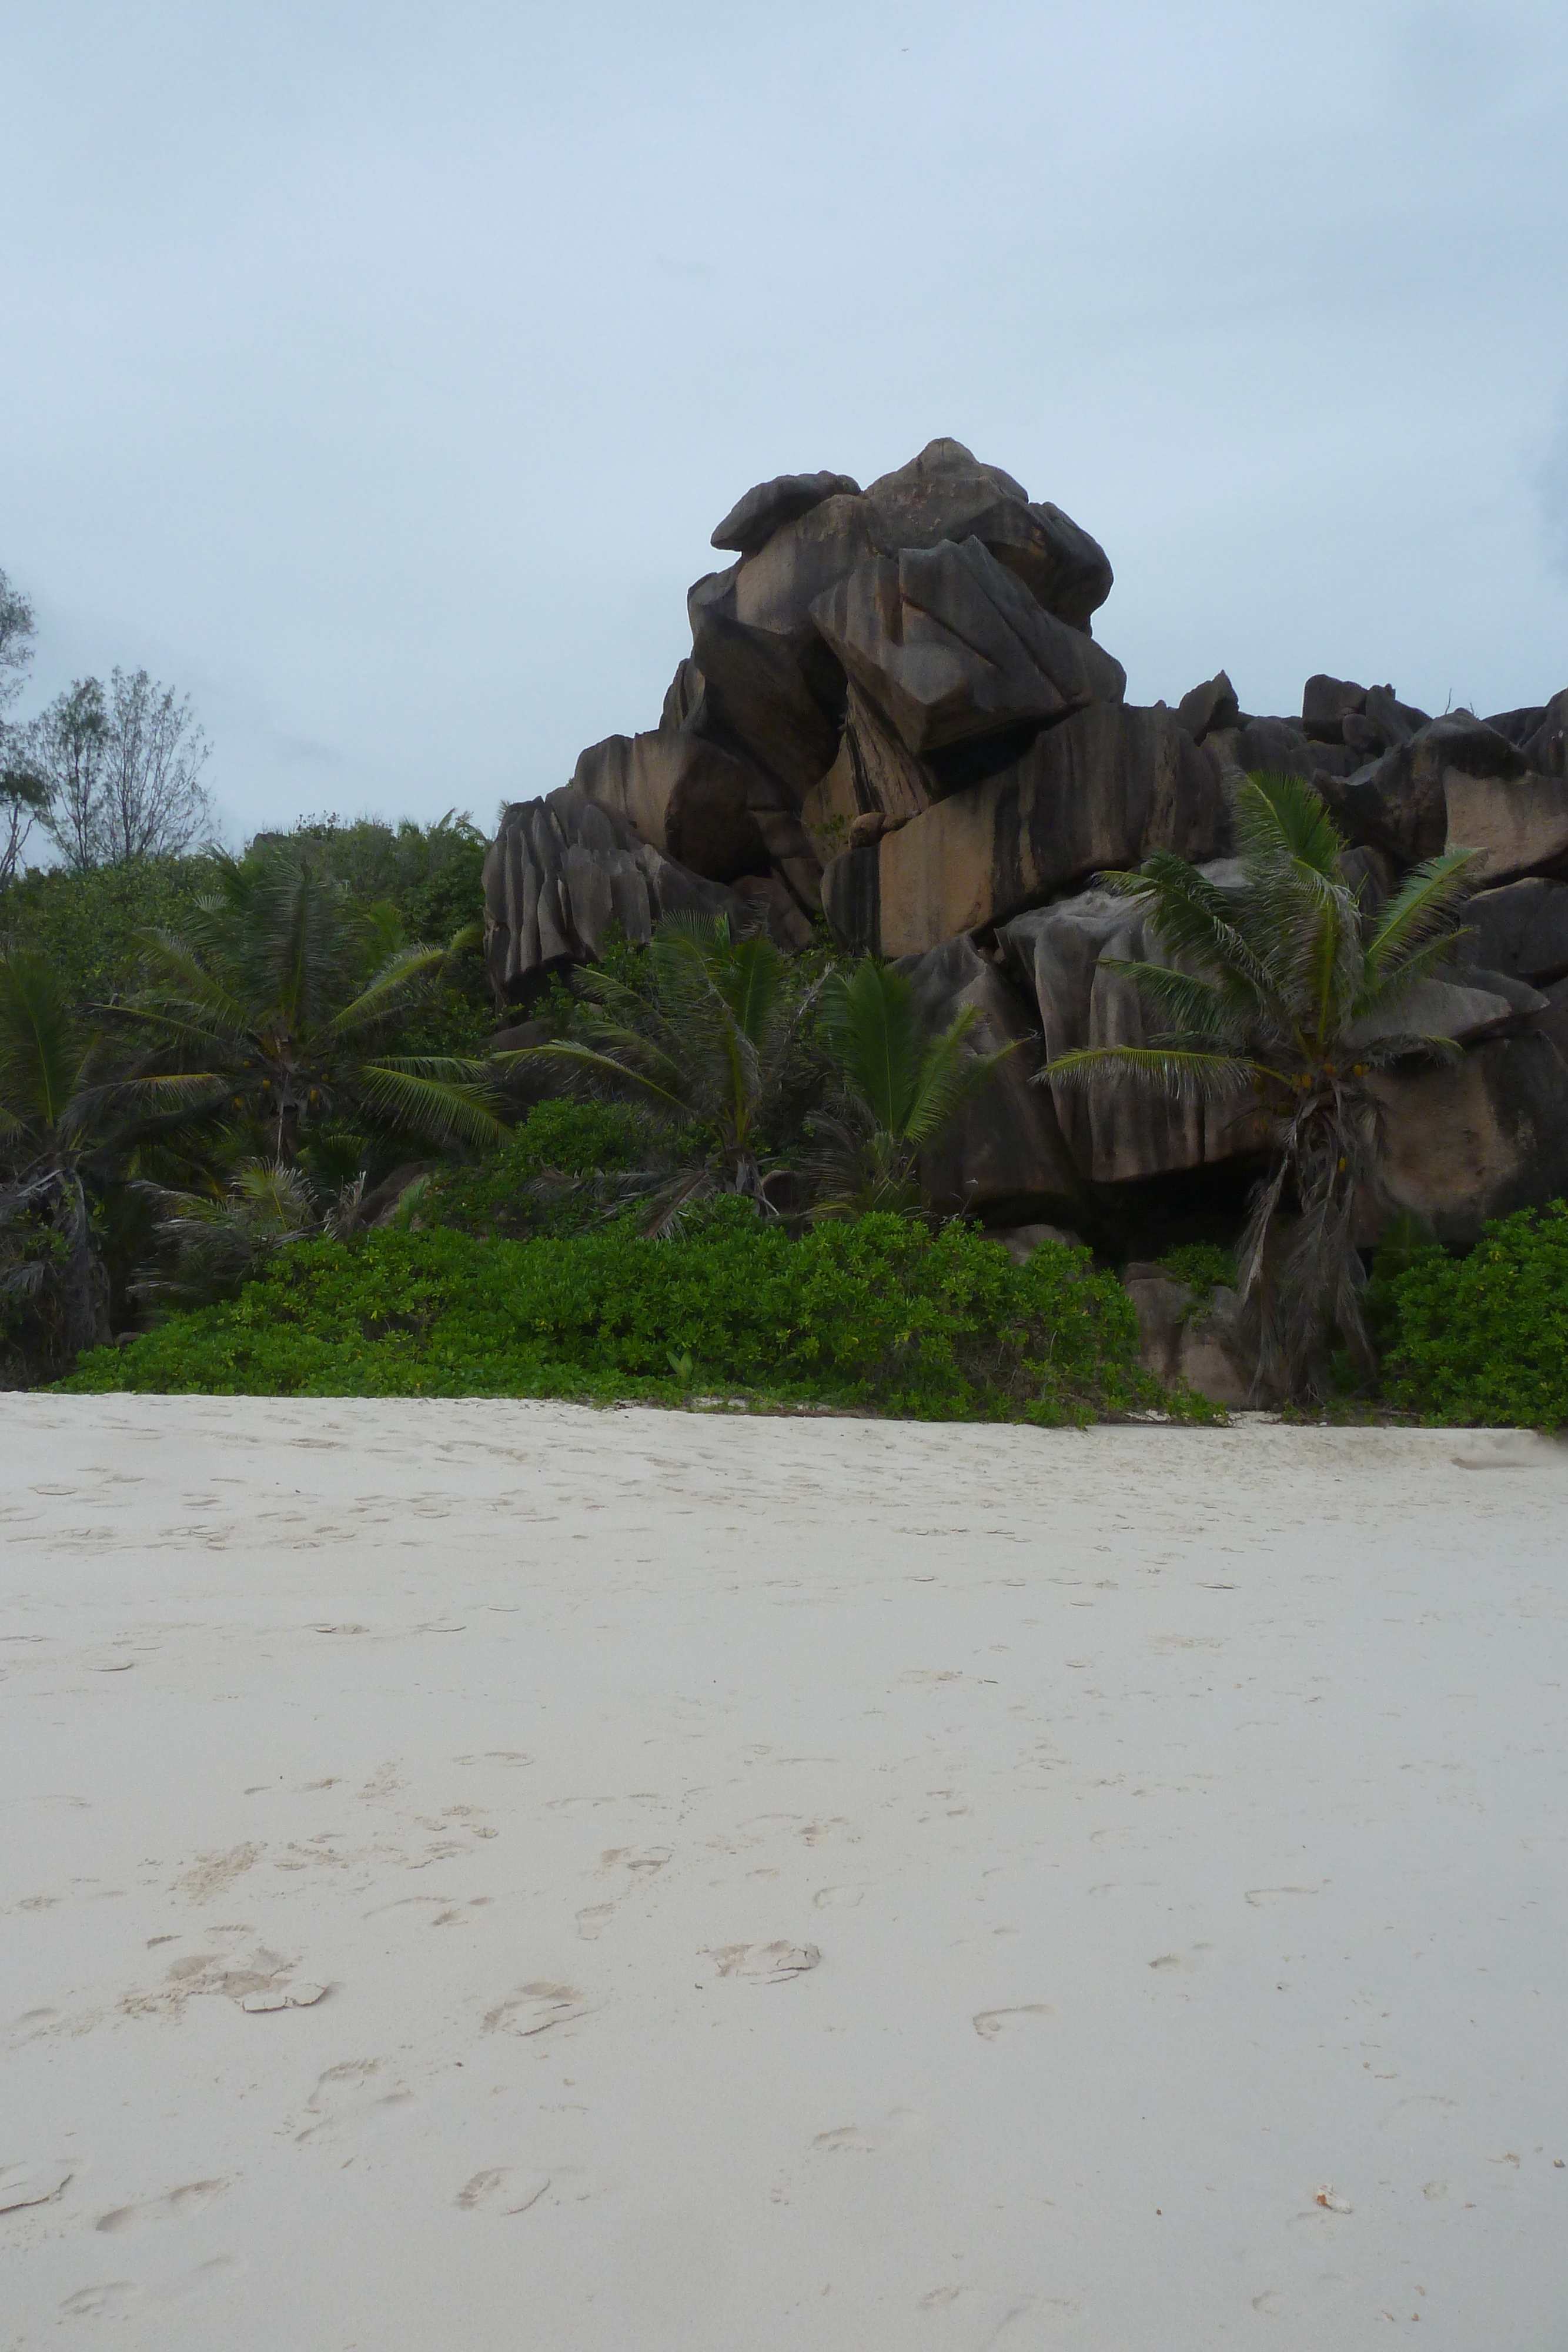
point(951, 646)
point(1521, 929)
point(1116, 1135)
point(1102, 789)
point(1475, 1140)
point(560, 869)
point(1180, 1338)
point(895, 714)
point(1004, 1152)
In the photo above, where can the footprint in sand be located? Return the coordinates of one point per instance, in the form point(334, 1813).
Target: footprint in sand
point(990, 2022)
point(360, 2092)
point(31, 2184)
point(283, 1996)
point(106, 2302)
point(869, 2139)
point(116, 2297)
point(174, 2202)
point(1189, 1961)
point(833, 1898)
point(536, 2008)
point(502, 2191)
point(212, 1873)
point(774, 1963)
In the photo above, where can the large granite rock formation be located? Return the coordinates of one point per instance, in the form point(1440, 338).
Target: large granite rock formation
point(895, 714)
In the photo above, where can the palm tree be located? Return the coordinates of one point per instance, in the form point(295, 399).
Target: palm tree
point(711, 1050)
point(218, 1240)
point(1286, 985)
point(900, 1089)
point(54, 1112)
point(277, 1003)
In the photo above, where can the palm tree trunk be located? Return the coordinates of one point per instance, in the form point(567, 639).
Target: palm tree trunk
point(85, 1322)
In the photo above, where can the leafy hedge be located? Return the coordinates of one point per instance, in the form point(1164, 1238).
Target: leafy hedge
point(1484, 1339)
point(880, 1314)
point(554, 1174)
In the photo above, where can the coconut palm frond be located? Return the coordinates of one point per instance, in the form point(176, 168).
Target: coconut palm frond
point(401, 976)
point(1183, 1073)
point(438, 1108)
point(871, 1024)
point(1423, 906)
point(1192, 1003)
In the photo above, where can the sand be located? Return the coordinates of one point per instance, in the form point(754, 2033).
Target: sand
point(493, 1875)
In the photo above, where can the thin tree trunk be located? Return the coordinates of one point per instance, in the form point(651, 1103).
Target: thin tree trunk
point(84, 1319)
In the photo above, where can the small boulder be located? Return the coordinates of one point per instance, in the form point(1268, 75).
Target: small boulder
point(1118, 1134)
point(1383, 723)
point(1180, 1338)
point(948, 493)
point(1477, 1139)
point(1546, 750)
point(1020, 1242)
point(556, 874)
point(1398, 802)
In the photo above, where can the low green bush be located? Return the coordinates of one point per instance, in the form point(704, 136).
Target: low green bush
point(1483, 1339)
point(1204, 1267)
point(554, 1174)
point(878, 1315)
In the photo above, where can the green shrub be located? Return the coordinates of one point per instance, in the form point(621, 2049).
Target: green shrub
point(546, 1178)
point(1204, 1267)
point(1484, 1339)
point(87, 924)
point(879, 1315)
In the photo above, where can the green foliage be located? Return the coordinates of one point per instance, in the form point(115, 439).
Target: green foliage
point(1484, 1339)
point(87, 926)
point(877, 1314)
point(1204, 1267)
point(708, 1040)
point(282, 998)
point(899, 1089)
point(554, 1174)
point(430, 873)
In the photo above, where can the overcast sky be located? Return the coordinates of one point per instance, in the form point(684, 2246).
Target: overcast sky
point(378, 373)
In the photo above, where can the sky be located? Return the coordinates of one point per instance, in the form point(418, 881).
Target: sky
point(377, 372)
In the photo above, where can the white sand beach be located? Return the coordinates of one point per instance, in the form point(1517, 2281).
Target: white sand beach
point(493, 1875)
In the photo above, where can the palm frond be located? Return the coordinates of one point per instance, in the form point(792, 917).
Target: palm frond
point(397, 980)
point(1185, 1074)
point(437, 1107)
point(1194, 1003)
point(620, 1074)
point(871, 1024)
point(1423, 905)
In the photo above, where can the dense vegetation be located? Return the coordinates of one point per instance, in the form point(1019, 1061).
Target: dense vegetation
point(1484, 1338)
point(879, 1313)
point(211, 1068)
